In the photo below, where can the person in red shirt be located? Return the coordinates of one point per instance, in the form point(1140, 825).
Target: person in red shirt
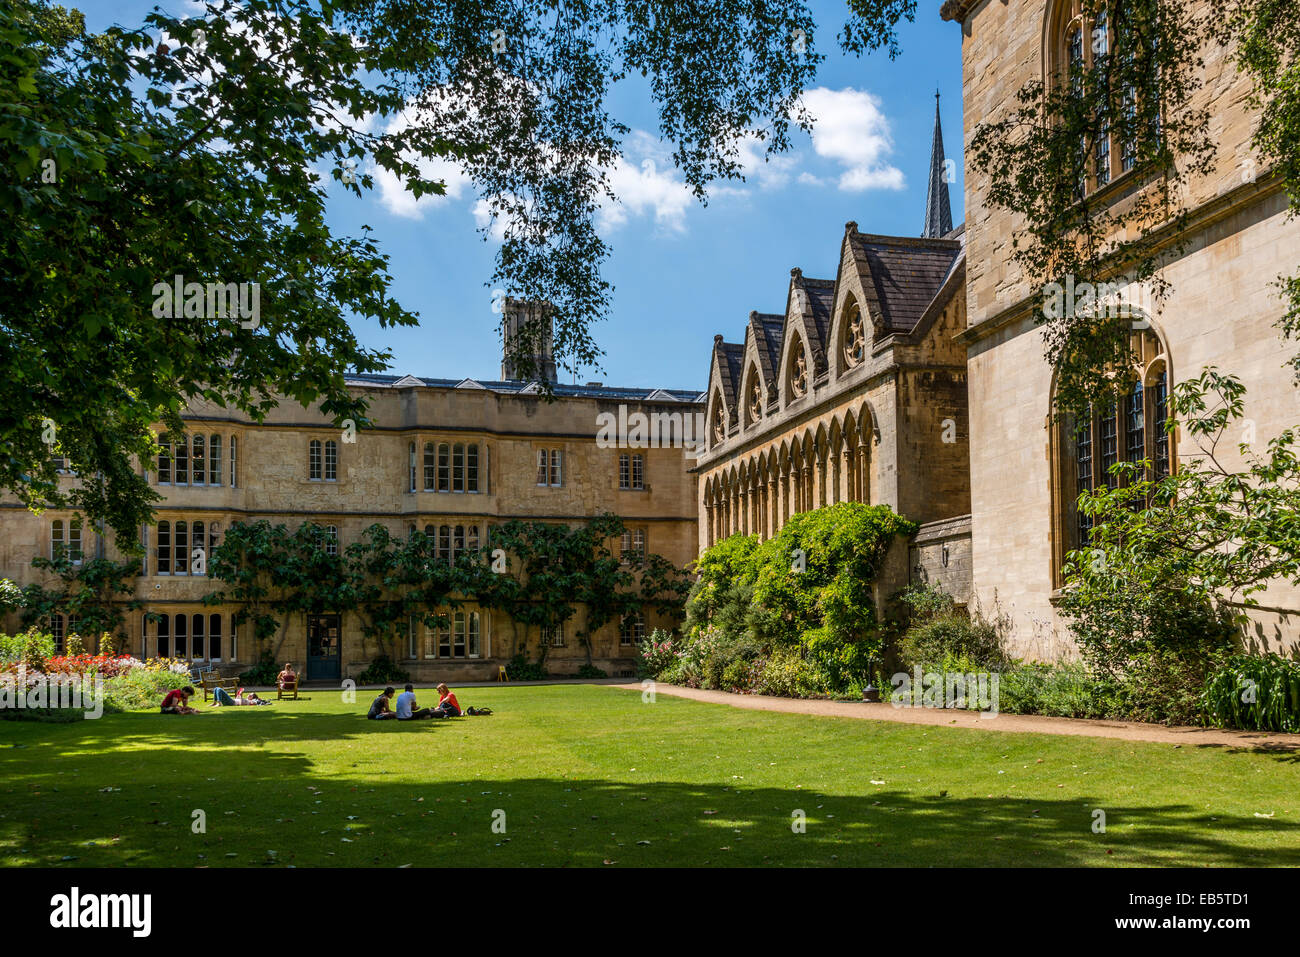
point(448, 706)
point(177, 701)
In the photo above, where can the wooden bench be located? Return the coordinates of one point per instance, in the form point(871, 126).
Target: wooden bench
point(211, 680)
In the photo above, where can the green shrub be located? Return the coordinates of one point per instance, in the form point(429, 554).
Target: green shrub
point(139, 689)
point(264, 672)
point(1064, 690)
point(1254, 692)
point(382, 671)
point(656, 653)
point(591, 671)
point(786, 674)
point(521, 669)
point(30, 645)
point(952, 634)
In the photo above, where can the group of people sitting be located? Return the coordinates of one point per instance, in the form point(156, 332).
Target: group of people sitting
point(405, 708)
point(177, 701)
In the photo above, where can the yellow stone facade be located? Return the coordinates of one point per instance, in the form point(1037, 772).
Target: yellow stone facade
point(1221, 311)
point(280, 475)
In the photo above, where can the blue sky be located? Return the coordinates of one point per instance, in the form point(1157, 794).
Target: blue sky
point(681, 271)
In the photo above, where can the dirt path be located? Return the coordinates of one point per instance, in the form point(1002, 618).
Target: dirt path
point(1025, 723)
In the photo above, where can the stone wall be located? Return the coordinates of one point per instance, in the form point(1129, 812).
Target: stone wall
point(373, 486)
point(1221, 311)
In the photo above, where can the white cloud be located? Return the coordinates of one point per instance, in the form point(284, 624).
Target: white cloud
point(851, 130)
point(646, 183)
point(769, 172)
point(400, 201)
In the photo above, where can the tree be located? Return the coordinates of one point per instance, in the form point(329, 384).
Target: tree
point(188, 150)
point(138, 165)
point(1138, 86)
point(97, 592)
point(1157, 597)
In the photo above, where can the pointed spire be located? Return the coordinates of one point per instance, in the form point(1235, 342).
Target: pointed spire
point(938, 211)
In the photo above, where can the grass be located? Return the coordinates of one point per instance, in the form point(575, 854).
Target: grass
point(588, 775)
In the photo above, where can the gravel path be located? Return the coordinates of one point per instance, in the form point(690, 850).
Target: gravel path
point(1024, 723)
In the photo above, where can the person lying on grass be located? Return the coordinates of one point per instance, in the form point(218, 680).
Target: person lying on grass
point(379, 709)
point(177, 701)
point(287, 677)
point(448, 706)
point(407, 709)
point(220, 696)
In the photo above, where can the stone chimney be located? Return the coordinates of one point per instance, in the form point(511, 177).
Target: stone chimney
point(527, 335)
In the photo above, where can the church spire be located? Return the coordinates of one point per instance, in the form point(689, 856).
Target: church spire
point(938, 211)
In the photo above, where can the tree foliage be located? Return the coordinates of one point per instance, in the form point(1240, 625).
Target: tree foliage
point(98, 592)
point(1157, 597)
point(548, 570)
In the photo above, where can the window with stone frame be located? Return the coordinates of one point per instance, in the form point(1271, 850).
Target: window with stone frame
point(1129, 428)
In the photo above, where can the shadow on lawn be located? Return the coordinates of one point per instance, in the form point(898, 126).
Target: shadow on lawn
point(258, 801)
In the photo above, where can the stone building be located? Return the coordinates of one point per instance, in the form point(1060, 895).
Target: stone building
point(1221, 310)
point(449, 457)
point(856, 391)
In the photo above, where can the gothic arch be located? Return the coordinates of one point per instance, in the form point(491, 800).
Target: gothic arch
point(1130, 428)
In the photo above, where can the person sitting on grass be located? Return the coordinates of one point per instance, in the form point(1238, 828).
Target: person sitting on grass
point(448, 706)
point(379, 709)
point(407, 709)
point(177, 701)
point(220, 696)
point(287, 677)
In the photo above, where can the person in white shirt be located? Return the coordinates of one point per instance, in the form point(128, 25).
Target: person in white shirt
point(406, 707)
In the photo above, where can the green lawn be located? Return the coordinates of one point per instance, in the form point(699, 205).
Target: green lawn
point(588, 775)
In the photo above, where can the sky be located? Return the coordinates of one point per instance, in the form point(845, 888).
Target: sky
point(681, 271)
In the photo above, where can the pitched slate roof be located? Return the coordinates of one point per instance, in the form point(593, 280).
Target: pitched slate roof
point(768, 332)
point(523, 387)
point(819, 305)
point(905, 274)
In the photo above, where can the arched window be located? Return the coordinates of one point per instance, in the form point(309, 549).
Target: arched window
point(444, 468)
point(472, 540)
point(719, 424)
point(331, 461)
point(755, 400)
point(853, 346)
point(180, 549)
point(181, 467)
point(410, 482)
point(1080, 38)
point(444, 543)
point(214, 637)
point(475, 637)
point(164, 548)
point(182, 649)
point(198, 557)
point(458, 467)
point(234, 447)
point(798, 375)
point(198, 462)
point(214, 460)
point(164, 637)
point(458, 542)
point(471, 468)
point(331, 539)
point(164, 461)
point(314, 460)
point(1128, 428)
point(196, 637)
